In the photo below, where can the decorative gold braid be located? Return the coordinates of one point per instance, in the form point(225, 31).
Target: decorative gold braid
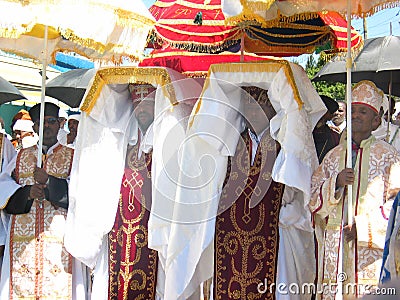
point(137, 280)
point(125, 75)
point(257, 67)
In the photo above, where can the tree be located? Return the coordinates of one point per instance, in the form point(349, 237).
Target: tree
point(334, 90)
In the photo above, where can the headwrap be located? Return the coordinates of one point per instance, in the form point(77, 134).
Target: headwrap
point(75, 117)
point(23, 125)
point(365, 92)
point(140, 92)
point(50, 109)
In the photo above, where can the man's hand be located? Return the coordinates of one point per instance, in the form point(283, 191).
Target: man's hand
point(40, 175)
point(37, 191)
point(345, 177)
point(350, 232)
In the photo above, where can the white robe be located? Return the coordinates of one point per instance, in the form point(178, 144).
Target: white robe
point(7, 154)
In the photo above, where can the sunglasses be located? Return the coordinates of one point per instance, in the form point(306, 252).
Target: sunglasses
point(50, 121)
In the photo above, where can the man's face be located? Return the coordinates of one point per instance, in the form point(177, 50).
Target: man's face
point(340, 114)
point(73, 126)
point(50, 130)
point(363, 119)
point(144, 113)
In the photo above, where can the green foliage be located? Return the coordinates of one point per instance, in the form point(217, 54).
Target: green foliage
point(334, 90)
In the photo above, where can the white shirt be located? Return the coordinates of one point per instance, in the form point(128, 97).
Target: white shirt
point(255, 140)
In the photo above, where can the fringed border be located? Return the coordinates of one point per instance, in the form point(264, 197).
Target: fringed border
point(252, 18)
point(196, 46)
point(121, 75)
point(256, 67)
point(249, 11)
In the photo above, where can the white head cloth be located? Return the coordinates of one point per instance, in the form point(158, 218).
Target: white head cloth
point(23, 125)
point(76, 117)
point(107, 125)
point(213, 134)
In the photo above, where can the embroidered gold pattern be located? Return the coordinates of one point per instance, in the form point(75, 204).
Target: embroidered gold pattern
point(251, 253)
point(132, 273)
point(40, 265)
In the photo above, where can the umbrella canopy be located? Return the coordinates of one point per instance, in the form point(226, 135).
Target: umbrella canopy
point(194, 64)
point(69, 87)
point(242, 10)
point(378, 61)
point(100, 30)
point(8, 92)
point(200, 26)
point(103, 30)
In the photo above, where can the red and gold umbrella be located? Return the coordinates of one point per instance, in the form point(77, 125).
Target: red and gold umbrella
point(200, 26)
point(194, 64)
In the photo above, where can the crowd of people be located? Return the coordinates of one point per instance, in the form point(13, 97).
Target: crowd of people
point(274, 220)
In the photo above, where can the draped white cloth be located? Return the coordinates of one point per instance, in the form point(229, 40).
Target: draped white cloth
point(103, 135)
point(215, 127)
point(7, 155)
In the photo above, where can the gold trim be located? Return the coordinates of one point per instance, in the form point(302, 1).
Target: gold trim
point(256, 67)
point(125, 75)
point(189, 22)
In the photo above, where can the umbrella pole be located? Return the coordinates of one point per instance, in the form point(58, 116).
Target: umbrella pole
point(349, 64)
point(42, 98)
point(342, 259)
point(242, 47)
point(389, 109)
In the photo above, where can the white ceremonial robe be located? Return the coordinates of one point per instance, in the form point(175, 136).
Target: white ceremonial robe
point(7, 153)
point(7, 188)
point(377, 170)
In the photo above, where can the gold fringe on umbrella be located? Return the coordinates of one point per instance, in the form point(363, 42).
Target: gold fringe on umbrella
point(124, 75)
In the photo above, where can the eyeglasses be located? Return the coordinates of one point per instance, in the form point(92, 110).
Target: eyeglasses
point(50, 121)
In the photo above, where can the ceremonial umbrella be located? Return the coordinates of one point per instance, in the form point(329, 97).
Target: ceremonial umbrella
point(102, 30)
point(377, 61)
point(70, 87)
point(200, 26)
point(9, 92)
point(194, 64)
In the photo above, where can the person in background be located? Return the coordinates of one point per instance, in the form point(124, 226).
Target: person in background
point(325, 138)
point(62, 134)
point(358, 244)
point(21, 115)
point(36, 265)
point(73, 123)
point(338, 122)
point(24, 134)
point(387, 132)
